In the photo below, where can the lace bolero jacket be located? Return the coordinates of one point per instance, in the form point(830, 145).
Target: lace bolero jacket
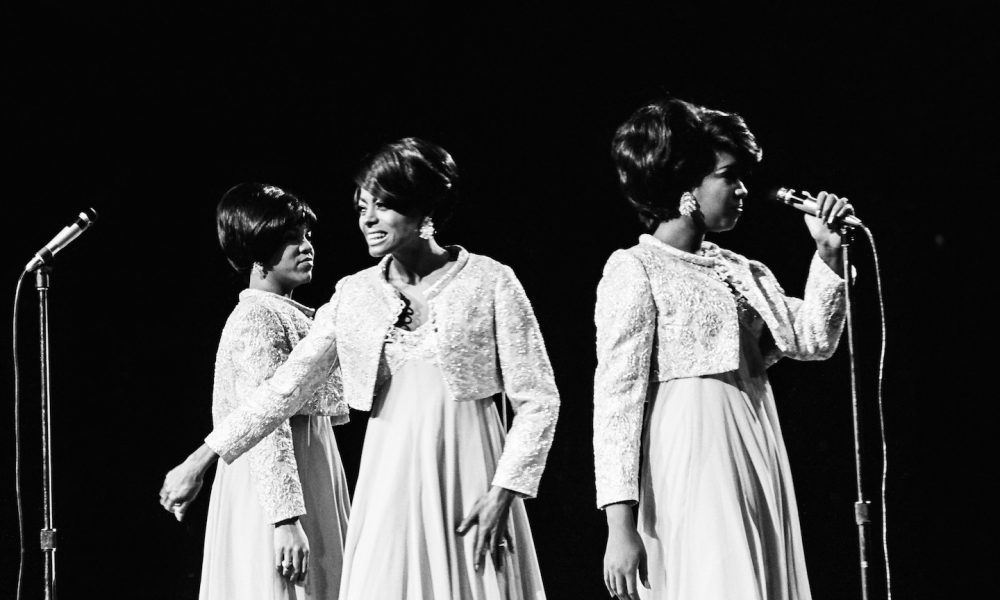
point(488, 342)
point(664, 314)
point(258, 336)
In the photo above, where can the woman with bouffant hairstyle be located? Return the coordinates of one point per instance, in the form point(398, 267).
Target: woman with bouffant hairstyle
point(684, 420)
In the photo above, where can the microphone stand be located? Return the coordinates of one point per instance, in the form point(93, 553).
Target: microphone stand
point(861, 505)
point(48, 533)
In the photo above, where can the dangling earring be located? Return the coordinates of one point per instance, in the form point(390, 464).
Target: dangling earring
point(688, 204)
point(259, 269)
point(427, 228)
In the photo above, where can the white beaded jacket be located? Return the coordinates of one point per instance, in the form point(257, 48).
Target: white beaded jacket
point(663, 314)
point(258, 336)
point(488, 342)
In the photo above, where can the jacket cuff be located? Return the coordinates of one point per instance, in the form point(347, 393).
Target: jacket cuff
point(521, 487)
point(607, 498)
point(286, 513)
point(825, 275)
point(216, 442)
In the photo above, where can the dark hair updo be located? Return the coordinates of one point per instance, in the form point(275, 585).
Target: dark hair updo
point(668, 147)
point(413, 177)
point(252, 220)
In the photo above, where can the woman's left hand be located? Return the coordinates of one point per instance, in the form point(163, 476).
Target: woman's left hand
point(489, 515)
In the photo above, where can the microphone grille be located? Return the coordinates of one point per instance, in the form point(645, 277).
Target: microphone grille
point(88, 216)
point(783, 194)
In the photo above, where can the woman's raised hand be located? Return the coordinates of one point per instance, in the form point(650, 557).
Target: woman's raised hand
point(291, 550)
point(825, 227)
point(625, 555)
point(489, 515)
point(830, 212)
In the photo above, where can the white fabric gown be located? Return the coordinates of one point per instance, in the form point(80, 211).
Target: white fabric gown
point(426, 460)
point(239, 557)
point(717, 510)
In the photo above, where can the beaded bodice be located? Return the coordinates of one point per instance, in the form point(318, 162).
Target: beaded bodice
point(749, 319)
point(403, 345)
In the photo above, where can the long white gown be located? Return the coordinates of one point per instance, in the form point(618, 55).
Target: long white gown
point(426, 460)
point(295, 471)
point(239, 557)
point(717, 511)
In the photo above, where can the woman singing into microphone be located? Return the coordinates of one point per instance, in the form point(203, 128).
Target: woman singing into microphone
point(685, 332)
point(424, 338)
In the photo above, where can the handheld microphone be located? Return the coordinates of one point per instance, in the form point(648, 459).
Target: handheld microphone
point(805, 202)
point(62, 239)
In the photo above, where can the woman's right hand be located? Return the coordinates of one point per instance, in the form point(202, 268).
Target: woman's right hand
point(291, 550)
point(183, 482)
point(625, 555)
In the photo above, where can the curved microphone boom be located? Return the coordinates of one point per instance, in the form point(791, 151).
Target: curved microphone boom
point(805, 202)
point(62, 239)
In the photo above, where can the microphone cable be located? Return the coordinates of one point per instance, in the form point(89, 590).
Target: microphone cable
point(881, 412)
point(17, 440)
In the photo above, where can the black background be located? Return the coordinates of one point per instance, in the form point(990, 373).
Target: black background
point(148, 111)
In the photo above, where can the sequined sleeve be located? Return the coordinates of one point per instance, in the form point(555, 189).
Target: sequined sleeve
point(626, 321)
point(293, 384)
point(530, 385)
point(817, 319)
point(261, 343)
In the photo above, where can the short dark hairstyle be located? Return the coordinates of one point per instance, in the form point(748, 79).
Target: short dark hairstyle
point(729, 132)
point(668, 147)
point(412, 176)
point(252, 220)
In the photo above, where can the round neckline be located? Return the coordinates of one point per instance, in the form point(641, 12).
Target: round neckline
point(252, 294)
point(459, 256)
point(705, 257)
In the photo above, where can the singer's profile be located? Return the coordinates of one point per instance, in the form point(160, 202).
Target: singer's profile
point(685, 333)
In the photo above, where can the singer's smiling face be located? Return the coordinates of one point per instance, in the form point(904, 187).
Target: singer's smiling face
point(385, 229)
point(291, 265)
point(721, 193)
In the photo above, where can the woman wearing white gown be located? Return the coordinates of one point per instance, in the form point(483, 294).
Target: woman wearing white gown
point(687, 329)
point(425, 339)
point(277, 516)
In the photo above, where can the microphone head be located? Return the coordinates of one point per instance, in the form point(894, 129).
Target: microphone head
point(88, 216)
point(780, 194)
point(784, 195)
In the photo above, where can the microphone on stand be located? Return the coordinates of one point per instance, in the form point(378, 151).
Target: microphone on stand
point(62, 239)
point(805, 202)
